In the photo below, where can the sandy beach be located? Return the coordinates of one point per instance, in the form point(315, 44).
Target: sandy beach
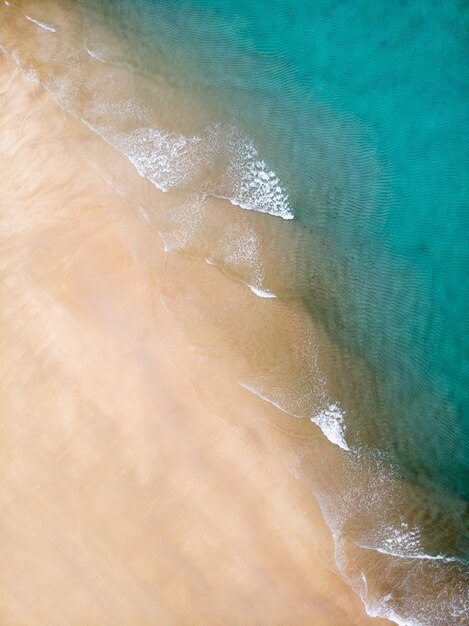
point(126, 498)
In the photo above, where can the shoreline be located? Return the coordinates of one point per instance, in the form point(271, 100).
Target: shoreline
point(164, 174)
point(125, 498)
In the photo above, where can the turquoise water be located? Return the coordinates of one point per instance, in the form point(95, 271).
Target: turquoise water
point(362, 110)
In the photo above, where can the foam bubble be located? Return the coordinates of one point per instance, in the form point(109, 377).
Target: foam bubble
point(183, 222)
point(256, 187)
point(166, 159)
point(262, 293)
point(241, 253)
point(331, 422)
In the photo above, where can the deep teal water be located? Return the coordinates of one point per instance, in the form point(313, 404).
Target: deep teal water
point(362, 108)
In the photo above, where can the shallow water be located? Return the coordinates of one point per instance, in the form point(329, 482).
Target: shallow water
point(338, 128)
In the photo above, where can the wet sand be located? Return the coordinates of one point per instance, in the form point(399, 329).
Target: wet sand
point(125, 498)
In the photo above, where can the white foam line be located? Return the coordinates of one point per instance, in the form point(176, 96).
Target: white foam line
point(419, 555)
point(284, 215)
point(265, 398)
point(329, 420)
point(389, 614)
point(41, 24)
point(262, 293)
point(95, 55)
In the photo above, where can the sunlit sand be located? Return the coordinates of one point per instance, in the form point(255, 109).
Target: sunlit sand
point(126, 497)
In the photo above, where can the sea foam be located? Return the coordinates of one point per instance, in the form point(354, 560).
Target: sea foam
point(175, 161)
point(41, 24)
point(262, 293)
point(331, 422)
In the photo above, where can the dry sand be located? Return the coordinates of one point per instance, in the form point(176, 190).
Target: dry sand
point(124, 499)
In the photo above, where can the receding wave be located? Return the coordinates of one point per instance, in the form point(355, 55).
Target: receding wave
point(175, 162)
